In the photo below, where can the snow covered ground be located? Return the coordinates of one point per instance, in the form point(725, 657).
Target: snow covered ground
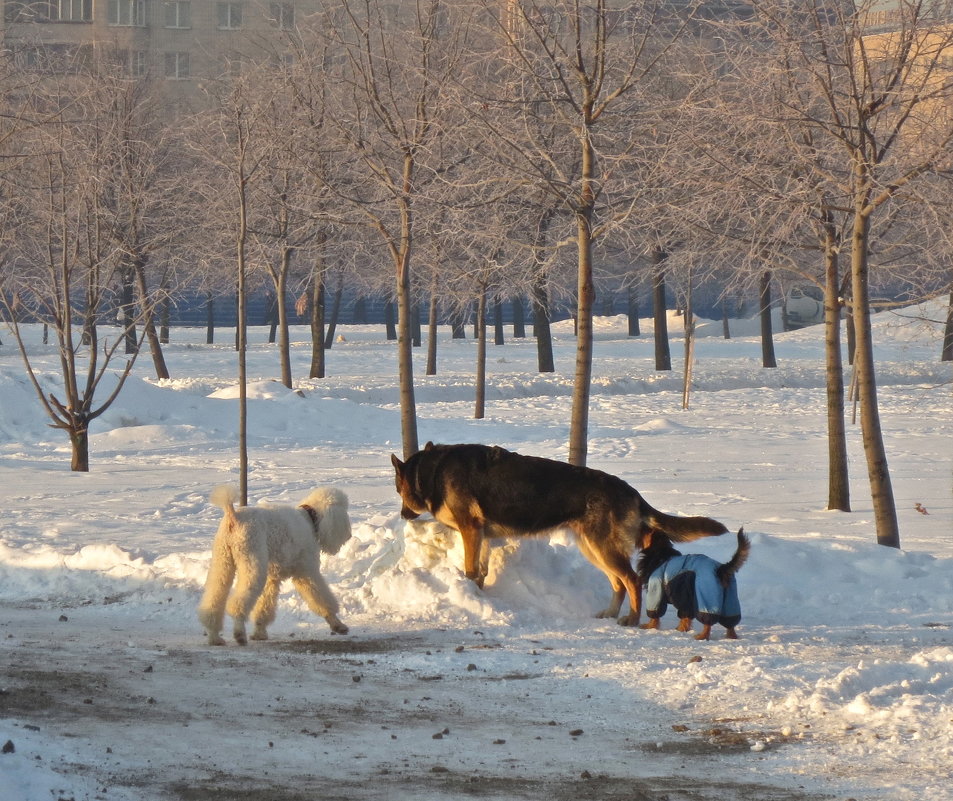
point(841, 684)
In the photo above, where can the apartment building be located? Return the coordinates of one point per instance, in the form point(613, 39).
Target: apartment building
point(178, 41)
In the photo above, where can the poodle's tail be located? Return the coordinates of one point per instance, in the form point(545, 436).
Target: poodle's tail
point(224, 496)
point(728, 569)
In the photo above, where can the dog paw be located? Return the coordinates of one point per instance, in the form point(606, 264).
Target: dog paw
point(259, 634)
point(241, 639)
point(216, 640)
point(605, 614)
point(629, 620)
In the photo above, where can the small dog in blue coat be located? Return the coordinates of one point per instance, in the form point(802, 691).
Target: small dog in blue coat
point(696, 585)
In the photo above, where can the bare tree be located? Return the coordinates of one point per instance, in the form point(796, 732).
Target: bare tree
point(391, 68)
point(863, 113)
point(142, 195)
point(234, 142)
point(63, 261)
point(561, 120)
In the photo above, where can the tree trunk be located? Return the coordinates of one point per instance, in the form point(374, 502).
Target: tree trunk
point(318, 353)
point(127, 310)
point(851, 334)
point(519, 319)
point(767, 329)
point(480, 406)
point(586, 296)
point(947, 353)
point(432, 331)
point(165, 309)
point(725, 326)
point(155, 345)
point(335, 312)
point(238, 309)
point(209, 319)
point(415, 326)
point(838, 480)
point(541, 312)
point(405, 361)
point(271, 319)
point(663, 356)
point(241, 345)
point(165, 314)
point(390, 323)
point(498, 323)
point(633, 313)
point(885, 511)
point(405, 353)
point(541, 329)
point(284, 335)
point(79, 441)
point(689, 324)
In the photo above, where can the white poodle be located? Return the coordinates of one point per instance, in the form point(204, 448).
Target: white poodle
point(264, 545)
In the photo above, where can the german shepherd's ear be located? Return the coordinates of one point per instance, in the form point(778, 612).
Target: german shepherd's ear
point(428, 446)
point(398, 464)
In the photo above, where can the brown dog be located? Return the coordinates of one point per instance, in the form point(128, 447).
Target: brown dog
point(484, 491)
point(696, 585)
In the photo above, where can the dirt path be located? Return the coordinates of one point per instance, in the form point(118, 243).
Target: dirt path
point(150, 714)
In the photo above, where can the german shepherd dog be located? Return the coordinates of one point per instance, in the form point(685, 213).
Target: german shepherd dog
point(696, 585)
point(485, 492)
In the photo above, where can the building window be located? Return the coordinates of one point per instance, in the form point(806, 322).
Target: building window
point(177, 66)
point(229, 16)
point(283, 16)
point(128, 13)
point(71, 10)
point(178, 14)
point(134, 63)
point(49, 11)
point(138, 63)
point(56, 59)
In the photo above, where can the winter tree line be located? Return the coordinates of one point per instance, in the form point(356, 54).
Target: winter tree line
point(455, 153)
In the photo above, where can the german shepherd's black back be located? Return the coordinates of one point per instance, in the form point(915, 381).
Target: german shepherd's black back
point(487, 491)
point(524, 494)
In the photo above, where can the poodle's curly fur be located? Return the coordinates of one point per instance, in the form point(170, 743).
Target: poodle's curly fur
point(262, 546)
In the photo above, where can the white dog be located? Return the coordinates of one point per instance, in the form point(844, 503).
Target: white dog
point(264, 545)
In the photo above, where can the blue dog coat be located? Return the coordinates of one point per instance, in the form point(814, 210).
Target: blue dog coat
point(689, 583)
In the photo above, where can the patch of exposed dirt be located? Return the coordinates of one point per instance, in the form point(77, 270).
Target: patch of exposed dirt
point(339, 646)
point(435, 783)
point(338, 722)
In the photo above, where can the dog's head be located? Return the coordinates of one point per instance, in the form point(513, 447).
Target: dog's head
point(413, 504)
point(333, 525)
point(656, 550)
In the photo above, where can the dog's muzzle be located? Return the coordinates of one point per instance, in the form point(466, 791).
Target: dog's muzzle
point(407, 513)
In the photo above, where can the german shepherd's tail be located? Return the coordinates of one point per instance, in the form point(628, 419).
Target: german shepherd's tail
point(728, 569)
point(681, 529)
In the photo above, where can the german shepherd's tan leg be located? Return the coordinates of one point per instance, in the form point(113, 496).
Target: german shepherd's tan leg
point(622, 577)
point(618, 588)
point(470, 526)
point(484, 560)
point(634, 587)
point(472, 535)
